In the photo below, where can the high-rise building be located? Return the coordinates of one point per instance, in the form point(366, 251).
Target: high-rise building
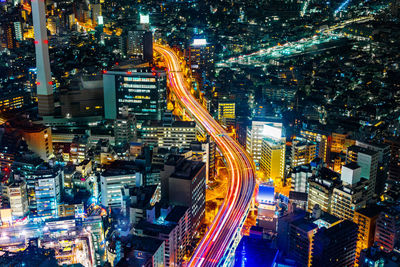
point(18, 199)
point(300, 176)
point(48, 188)
point(351, 195)
point(323, 140)
point(254, 140)
point(125, 130)
point(39, 140)
point(368, 161)
point(114, 178)
point(394, 164)
point(44, 81)
point(187, 187)
point(201, 57)
point(10, 36)
point(273, 147)
point(320, 189)
point(226, 113)
point(301, 234)
point(335, 246)
point(387, 231)
point(302, 153)
point(365, 219)
point(395, 8)
point(142, 91)
point(140, 44)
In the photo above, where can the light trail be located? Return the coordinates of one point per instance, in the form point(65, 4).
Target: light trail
point(222, 232)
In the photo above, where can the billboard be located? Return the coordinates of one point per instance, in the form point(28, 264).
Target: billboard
point(199, 42)
point(274, 131)
point(266, 194)
point(144, 19)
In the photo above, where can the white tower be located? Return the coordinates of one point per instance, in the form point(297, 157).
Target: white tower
point(44, 82)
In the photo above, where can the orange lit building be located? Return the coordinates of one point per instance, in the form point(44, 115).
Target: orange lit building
point(366, 220)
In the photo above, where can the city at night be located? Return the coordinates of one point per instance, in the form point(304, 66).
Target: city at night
point(200, 133)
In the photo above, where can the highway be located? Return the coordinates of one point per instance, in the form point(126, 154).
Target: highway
point(211, 251)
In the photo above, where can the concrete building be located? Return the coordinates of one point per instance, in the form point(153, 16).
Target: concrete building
point(273, 149)
point(39, 140)
point(187, 187)
point(83, 97)
point(368, 161)
point(178, 134)
point(321, 189)
point(254, 140)
point(351, 195)
point(125, 130)
point(17, 196)
point(300, 176)
point(227, 113)
point(302, 153)
point(114, 178)
point(365, 219)
point(387, 231)
point(335, 246)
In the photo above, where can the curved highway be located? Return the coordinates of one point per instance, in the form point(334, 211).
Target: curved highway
point(232, 213)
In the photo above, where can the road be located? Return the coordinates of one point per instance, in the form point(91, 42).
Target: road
point(222, 231)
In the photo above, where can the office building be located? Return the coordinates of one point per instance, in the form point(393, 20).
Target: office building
point(201, 56)
point(300, 176)
point(302, 153)
point(143, 251)
point(323, 142)
point(14, 99)
point(335, 246)
point(79, 148)
point(83, 97)
point(254, 138)
point(226, 113)
point(173, 227)
point(18, 199)
point(142, 91)
point(48, 188)
point(176, 134)
point(394, 164)
point(320, 189)
point(140, 44)
point(387, 231)
point(187, 187)
point(365, 219)
point(39, 140)
point(43, 82)
point(273, 148)
point(368, 161)
point(351, 195)
point(117, 175)
point(136, 201)
point(125, 130)
point(383, 162)
point(374, 257)
point(301, 234)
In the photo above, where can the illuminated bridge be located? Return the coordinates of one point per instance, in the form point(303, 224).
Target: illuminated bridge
point(217, 248)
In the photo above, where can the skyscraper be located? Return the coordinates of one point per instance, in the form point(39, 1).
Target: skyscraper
point(43, 82)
